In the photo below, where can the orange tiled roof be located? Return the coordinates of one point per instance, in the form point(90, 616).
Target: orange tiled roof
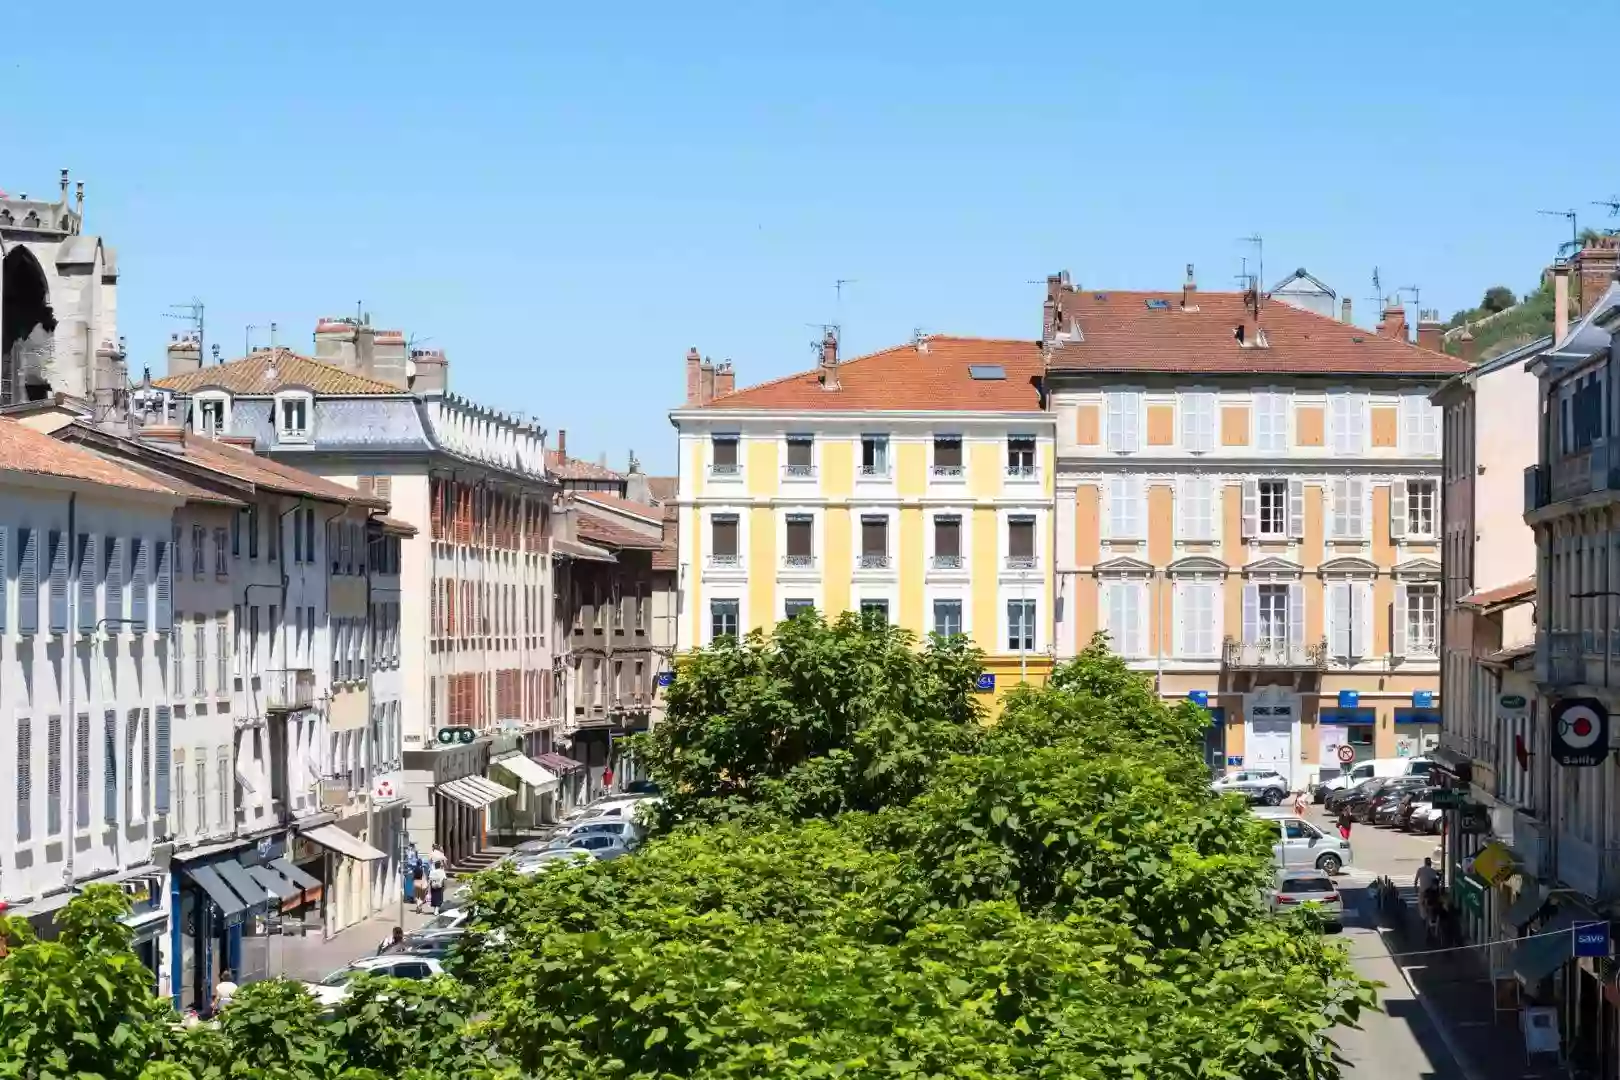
point(624, 506)
point(252, 375)
point(395, 525)
point(667, 557)
point(1502, 594)
point(567, 468)
point(265, 473)
point(605, 532)
point(664, 488)
point(24, 450)
point(1121, 333)
point(906, 377)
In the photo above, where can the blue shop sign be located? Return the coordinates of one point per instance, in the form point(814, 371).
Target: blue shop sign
point(666, 678)
point(1235, 760)
point(1417, 716)
point(1592, 939)
point(1347, 717)
point(1349, 699)
point(1423, 699)
point(1198, 697)
point(986, 682)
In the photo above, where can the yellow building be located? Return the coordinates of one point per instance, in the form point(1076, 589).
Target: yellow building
point(1248, 502)
point(916, 482)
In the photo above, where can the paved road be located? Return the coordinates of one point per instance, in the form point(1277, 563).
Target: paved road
point(1402, 1042)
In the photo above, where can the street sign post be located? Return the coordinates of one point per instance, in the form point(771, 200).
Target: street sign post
point(1347, 754)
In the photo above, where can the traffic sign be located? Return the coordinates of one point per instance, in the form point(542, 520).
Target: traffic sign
point(1234, 759)
point(1347, 754)
point(1591, 939)
point(666, 678)
point(1423, 699)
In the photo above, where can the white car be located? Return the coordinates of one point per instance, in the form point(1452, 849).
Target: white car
point(627, 833)
point(335, 987)
point(538, 862)
point(1299, 888)
point(1260, 785)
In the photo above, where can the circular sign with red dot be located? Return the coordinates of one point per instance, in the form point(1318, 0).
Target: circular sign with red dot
point(1580, 731)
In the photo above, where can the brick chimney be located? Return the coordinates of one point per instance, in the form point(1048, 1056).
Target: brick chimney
point(694, 379)
point(1560, 273)
point(706, 382)
point(1430, 331)
point(184, 353)
point(1344, 311)
point(1465, 344)
point(432, 374)
point(828, 367)
point(725, 379)
point(388, 357)
point(335, 342)
point(1595, 265)
point(1393, 322)
point(562, 443)
point(1189, 291)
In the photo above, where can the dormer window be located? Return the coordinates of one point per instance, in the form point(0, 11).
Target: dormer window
point(211, 414)
point(292, 417)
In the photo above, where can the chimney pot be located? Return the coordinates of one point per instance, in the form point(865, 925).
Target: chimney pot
point(1596, 263)
point(1560, 273)
point(1344, 311)
point(1189, 290)
point(694, 378)
point(829, 359)
point(562, 442)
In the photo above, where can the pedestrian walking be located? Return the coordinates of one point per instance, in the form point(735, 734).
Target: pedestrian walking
point(607, 778)
point(1299, 804)
point(393, 943)
point(419, 883)
point(436, 879)
point(1345, 821)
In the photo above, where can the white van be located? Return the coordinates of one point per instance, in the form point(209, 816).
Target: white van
point(1382, 768)
point(1301, 845)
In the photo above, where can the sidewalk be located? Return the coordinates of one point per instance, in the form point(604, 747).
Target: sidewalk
point(311, 958)
point(1456, 990)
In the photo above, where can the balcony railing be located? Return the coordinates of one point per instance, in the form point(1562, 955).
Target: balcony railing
point(1564, 655)
point(1020, 562)
point(874, 472)
point(798, 471)
point(1275, 655)
point(723, 468)
point(874, 561)
point(953, 472)
point(288, 689)
point(947, 562)
point(725, 562)
point(1021, 472)
point(798, 562)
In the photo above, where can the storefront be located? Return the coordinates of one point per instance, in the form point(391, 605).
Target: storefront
point(1352, 726)
point(534, 783)
point(148, 921)
point(572, 783)
point(345, 862)
point(459, 814)
point(1417, 731)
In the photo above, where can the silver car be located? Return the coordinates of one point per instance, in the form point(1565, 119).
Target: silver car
point(1260, 785)
point(1297, 888)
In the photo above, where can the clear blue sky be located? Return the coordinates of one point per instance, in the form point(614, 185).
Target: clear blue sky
point(566, 197)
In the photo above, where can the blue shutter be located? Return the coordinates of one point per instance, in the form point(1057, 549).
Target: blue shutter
point(138, 586)
point(59, 582)
point(165, 593)
point(115, 584)
point(27, 581)
point(89, 559)
point(109, 760)
point(164, 758)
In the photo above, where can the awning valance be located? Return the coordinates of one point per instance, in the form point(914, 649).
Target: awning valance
point(335, 839)
point(529, 771)
point(475, 792)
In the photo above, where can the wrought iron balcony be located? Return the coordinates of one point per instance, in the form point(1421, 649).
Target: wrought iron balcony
point(720, 468)
point(874, 472)
point(1020, 562)
point(952, 472)
point(288, 689)
point(1021, 472)
point(1274, 655)
point(725, 562)
point(947, 562)
point(798, 471)
point(798, 562)
point(874, 561)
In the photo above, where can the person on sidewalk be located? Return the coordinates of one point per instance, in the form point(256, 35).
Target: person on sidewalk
point(1427, 883)
point(436, 881)
point(1345, 821)
point(1299, 804)
point(393, 943)
point(419, 883)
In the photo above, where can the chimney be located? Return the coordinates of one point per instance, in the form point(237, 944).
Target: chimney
point(1189, 291)
point(388, 357)
point(1393, 322)
point(562, 443)
point(1344, 311)
point(1560, 272)
point(829, 360)
point(1430, 331)
point(725, 380)
point(694, 383)
point(1465, 344)
point(636, 488)
point(1595, 264)
point(106, 389)
point(706, 382)
point(365, 349)
point(335, 342)
point(432, 375)
point(185, 354)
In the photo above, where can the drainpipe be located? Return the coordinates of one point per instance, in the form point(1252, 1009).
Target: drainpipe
point(70, 631)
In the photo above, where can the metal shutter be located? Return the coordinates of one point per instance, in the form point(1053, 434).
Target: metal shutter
point(89, 561)
point(165, 758)
point(59, 581)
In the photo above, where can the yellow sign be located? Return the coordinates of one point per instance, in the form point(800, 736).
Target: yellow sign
point(1494, 863)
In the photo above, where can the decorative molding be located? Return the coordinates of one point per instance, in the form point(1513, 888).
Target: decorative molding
point(1197, 564)
point(1123, 566)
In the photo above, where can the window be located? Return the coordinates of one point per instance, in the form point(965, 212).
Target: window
point(1196, 612)
point(201, 765)
point(199, 554)
point(1417, 620)
point(1347, 419)
point(89, 563)
point(165, 760)
point(1270, 623)
point(1198, 422)
point(1124, 604)
point(725, 550)
point(1125, 516)
point(25, 779)
point(253, 639)
point(799, 550)
point(28, 581)
point(1413, 510)
point(199, 640)
point(874, 542)
point(724, 618)
point(947, 542)
point(253, 532)
point(221, 567)
point(947, 617)
point(212, 415)
point(1349, 619)
point(1271, 423)
point(1021, 543)
point(947, 455)
point(294, 416)
point(723, 450)
point(53, 776)
point(1124, 421)
point(792, 609)
point(801, 460)
point(877, 610)
point(109, 766)
point(874, 455)
point(1195, 510)
point(222, 785)
point(59, 582)
point(1273, 509)
point(222, 652)
point(1349, 508)
point(1020, 625)
point(1021, 456)
point(177, 654)
point(1420, 426)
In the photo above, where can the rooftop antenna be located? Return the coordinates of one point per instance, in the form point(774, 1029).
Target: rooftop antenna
point(1244, 279)
point(1574, 229)
point(189, 312)
point(1378, 298)
point(247, 337)
point(1260, 260)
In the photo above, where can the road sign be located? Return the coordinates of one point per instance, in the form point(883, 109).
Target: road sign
point(1580, 732)
point(985, 683)
point(1347, 754)
point(666, 678)
point(1591, 939)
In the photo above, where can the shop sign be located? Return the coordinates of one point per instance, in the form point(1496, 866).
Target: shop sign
point(1234, 760)
point(1423, 699)
point(666, 678)
point(1591, 939)
point(1494, 863)
point(1198, 697)
point(1349, 699)
point(1470, 894)
point(1472, 820)
point(1580, 732)
point(1446, 798)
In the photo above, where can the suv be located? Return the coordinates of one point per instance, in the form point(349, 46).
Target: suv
point(1259, 785)
point(1300, 845)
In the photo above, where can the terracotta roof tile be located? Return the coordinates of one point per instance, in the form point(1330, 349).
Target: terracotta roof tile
point(602, 530)
point(568, 468)
point(263, 472)
point(395, 525)
point(252, 375)
point(932, 377)
point(664, 488)
point(624, 506)
point(577, 550)
point(668, 555)
point(24, 450)
point(1503, 594)
point(1120, 332)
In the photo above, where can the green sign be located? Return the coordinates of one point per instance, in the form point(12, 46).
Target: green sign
point(1471, 819)
point(1470, 894)
point(1447, 798)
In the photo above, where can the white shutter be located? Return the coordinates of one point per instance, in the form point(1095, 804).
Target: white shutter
point(1116, 423)
point(1360, 516)
point(1251, 509)
point(1138, 617)
point(1186, 527)
point(1338, 611)
point(1110, 495)
point(1251, 613)
point(1296, 614)
point(1296, 509)
point(1411, 440)
point(1337, 528)
point(1364, 619)
point(1397, 622)
point(1133, 422)
point(1397, 509)
point(1182, 597)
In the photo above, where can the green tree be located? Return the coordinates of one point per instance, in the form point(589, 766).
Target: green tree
point(1497, 298)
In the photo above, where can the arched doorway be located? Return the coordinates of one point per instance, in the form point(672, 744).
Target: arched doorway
point(26, 329)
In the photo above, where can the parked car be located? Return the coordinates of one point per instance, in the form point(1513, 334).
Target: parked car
point(603, 846)
point(1426, 818)
point(597, 808)
point(628, 832)
point(642, 787)
point(1409, 803)
point(1374, 769)
point(538, 862)
point(1336, 799)
point(1296, 889)
point(1259, 785)
point(1367, 809)
point(1300, 845)
point(335, 987)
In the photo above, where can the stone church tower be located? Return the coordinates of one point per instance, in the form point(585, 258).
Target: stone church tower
point(58, 303)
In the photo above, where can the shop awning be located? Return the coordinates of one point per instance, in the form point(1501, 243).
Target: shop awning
point(529, 771)
point(335, 839)
point(267, 876)
point(147, 924)
point(475, 792)
point(287, 870)
point(220, 893)
point(244, 884)
point(1545, 951)
point(561, 764)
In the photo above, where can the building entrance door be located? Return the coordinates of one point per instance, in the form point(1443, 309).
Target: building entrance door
point(1271, 720)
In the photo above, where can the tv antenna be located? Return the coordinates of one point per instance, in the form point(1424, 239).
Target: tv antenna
point(247, 337)
point(1612, 202)
point(1260, 260)
point(189, 312)
point(1378, 298)
point(1574, 230)
point(1245, 279)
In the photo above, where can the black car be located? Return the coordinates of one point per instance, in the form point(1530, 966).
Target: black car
point(1336, 799)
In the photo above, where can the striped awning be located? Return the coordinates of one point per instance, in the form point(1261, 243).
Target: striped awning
point(529, 771)
point(475, 792)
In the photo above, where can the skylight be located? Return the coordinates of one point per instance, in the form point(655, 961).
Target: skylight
point(1158, 305)
point(987, 371)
